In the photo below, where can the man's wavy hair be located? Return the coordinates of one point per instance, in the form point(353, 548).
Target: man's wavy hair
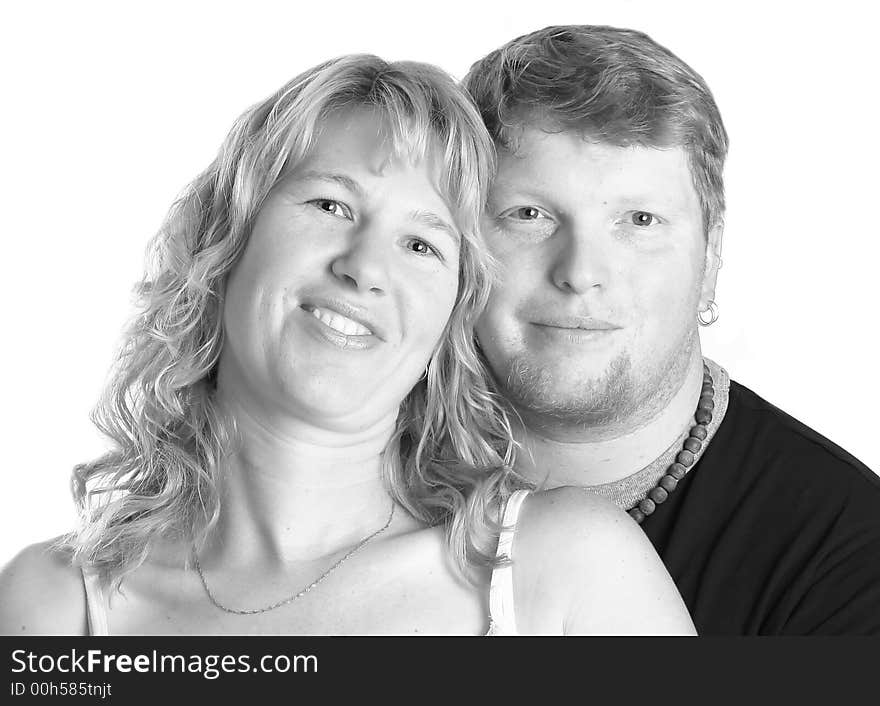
point(449, 458)
point(611, 85)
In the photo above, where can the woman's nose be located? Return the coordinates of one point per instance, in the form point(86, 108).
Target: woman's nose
point(364, 264)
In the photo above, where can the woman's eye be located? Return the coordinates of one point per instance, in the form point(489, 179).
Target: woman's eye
point(420, 247)
point(643, 218)
point(334, 208)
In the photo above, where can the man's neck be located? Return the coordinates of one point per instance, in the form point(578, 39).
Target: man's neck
point(604, 458)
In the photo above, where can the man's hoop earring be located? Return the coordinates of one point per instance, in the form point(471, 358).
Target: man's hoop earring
point(713, 314)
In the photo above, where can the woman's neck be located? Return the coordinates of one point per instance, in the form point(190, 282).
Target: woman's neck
point(292, 491)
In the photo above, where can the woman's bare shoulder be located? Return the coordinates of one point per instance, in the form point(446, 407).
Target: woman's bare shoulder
point(567, 518)
point(42, 593)
point(605, 574)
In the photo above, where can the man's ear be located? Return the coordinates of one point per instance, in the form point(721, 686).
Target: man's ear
point(712, 265)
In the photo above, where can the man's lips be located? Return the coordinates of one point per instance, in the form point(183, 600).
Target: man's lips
point(575, 323)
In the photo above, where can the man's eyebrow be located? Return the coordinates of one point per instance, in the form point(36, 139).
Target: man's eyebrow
point(346, 182)
point(432, 220)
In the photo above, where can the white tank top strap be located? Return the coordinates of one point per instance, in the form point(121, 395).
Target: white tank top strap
point(96, 605)
point(502, 617)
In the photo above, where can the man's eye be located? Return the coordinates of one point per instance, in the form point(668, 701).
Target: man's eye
point(526, 213)
point(334, 208)
point(643, 218)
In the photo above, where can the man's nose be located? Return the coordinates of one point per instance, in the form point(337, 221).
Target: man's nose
point(581, 261)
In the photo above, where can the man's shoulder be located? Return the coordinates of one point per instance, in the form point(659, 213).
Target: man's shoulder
point(792, 515)
point(784, 445)
point(42, 592)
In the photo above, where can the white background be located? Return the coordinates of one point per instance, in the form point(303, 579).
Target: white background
point(109, 110)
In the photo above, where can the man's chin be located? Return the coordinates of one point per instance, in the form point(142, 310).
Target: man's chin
point(585, 410)
point(577, 398)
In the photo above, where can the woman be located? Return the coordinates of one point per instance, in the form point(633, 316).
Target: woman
point(305, 441)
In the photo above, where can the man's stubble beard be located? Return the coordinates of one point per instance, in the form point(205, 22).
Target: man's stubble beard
point(618, 401)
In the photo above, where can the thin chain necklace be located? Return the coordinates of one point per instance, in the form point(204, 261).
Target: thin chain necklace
point(251, 611)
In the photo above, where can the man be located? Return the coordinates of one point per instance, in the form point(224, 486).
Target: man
point(607, 217)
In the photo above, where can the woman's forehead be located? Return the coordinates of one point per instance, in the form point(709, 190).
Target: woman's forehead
point(387, 136)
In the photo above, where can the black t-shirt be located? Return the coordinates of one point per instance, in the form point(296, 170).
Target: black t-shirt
point(774, 531)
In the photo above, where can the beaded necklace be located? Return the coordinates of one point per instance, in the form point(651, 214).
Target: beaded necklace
point(686, 457)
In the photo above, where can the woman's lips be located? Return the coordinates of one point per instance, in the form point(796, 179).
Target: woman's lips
point(331, 327)
point(338, 322)
point(343, 315)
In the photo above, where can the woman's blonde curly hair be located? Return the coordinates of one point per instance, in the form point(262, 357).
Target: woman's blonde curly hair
point(449, 458)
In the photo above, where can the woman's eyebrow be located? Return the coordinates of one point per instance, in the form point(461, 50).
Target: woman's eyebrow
point(428, 219)
point(346, 182)
point(432, 220)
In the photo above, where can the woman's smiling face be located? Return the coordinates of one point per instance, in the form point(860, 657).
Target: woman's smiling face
point(346, 284)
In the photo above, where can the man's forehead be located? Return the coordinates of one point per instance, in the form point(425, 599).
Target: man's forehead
point(528, 141)
point(540, 158)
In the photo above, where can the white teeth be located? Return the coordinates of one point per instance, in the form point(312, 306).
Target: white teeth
point(340, 323)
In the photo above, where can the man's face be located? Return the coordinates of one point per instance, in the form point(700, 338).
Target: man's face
point(604, 266)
